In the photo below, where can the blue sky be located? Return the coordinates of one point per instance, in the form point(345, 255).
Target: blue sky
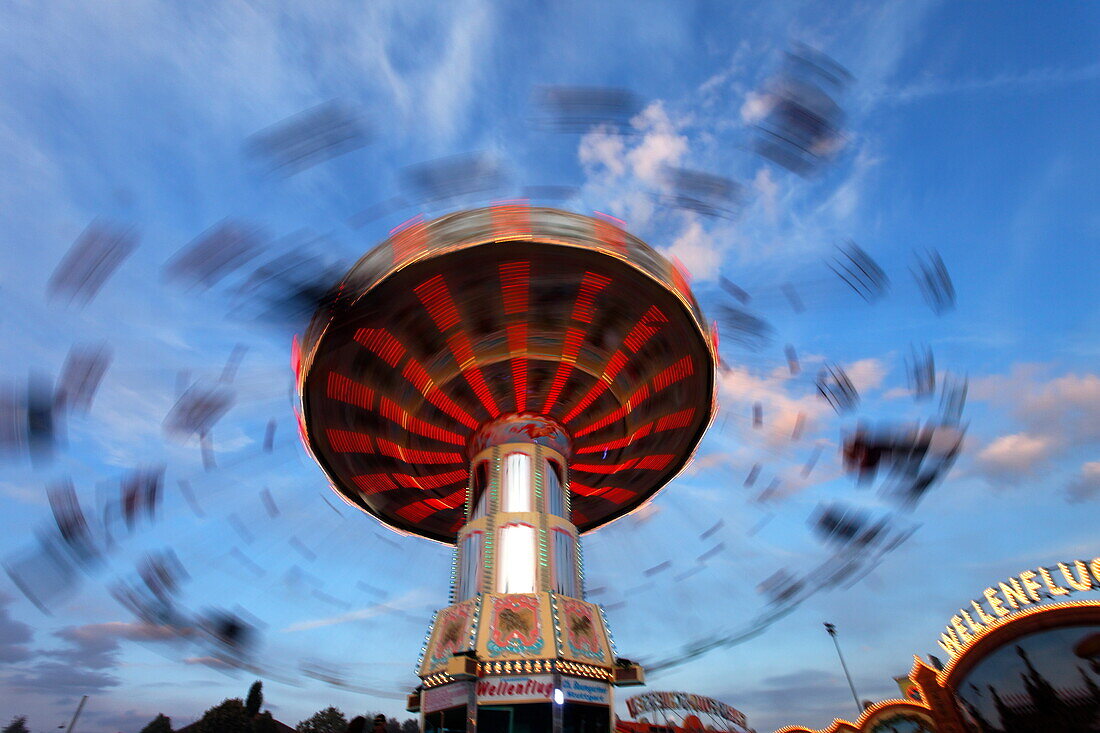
point(970, 130)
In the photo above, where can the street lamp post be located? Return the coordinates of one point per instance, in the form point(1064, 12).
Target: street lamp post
point(832, 632)
point(75, 715)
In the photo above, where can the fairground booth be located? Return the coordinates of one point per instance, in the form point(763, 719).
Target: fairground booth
point(1022, 658)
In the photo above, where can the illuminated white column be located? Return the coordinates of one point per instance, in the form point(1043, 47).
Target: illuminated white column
point(516, 565)
point(518, 537)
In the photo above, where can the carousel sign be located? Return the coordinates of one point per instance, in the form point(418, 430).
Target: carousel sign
point(683, 701)
point(577, 690)
point(515, 689)
point(1027, 588)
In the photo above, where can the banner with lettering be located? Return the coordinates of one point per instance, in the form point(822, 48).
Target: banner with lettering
point(535, 688)
point(683, 701)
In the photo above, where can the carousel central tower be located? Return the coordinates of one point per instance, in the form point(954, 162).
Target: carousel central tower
point(504, 380)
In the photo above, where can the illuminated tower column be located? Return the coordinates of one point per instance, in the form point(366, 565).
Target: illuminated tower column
point(518, 619)
point(517, 537)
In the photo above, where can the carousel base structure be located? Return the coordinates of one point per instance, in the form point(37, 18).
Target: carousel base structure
point(520, 650)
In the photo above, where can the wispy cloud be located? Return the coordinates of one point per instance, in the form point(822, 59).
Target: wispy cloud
point(1041, 78)
point(408, 600)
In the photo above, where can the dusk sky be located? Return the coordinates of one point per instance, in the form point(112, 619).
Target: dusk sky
point(970, 131)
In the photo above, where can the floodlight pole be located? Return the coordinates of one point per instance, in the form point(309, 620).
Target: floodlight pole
point(76, 714)
point(832, 632)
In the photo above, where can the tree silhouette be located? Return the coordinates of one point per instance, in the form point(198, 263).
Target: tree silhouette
point(18, 724)
point(329, 720)
point(410, 726)
point(229, 716)
point(264, 723)
point(255, 699)
point(160, 724)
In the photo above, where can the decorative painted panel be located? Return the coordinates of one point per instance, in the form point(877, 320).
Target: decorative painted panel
point(452, 633)
point(582, 631)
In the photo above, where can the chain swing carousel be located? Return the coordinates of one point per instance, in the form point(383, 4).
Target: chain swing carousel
point(503, 380)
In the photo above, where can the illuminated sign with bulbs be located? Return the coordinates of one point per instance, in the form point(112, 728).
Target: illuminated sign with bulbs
point(1027, 588)
point(660, 701)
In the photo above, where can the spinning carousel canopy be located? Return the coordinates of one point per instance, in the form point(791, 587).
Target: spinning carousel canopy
point(450, 324)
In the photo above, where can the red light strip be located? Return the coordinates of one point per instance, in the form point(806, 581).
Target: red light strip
point(638, 434)
point(618, 496)
point(393, 413)
point(416, 512)
point(634, 340)
point(613, 494)
point(348, 441)
point(646, 326)
point(476, 380)
point(591, 285)
point(409, 237)
point(388, 348)
point(514, 279)
point(414, 456)
point(415, 373)
point(382, 343)
point(640, 395)
point(647, 463)
point(679, 419)
point(583, 490)
point(608, 230)
point(654, 463)
point(373, 483)
point(667, 376)
point(450, 407)
point(614, 365)
point(517, 344)
point(603, 467)
point(674, 373)
point(296, 356)
point(681, 278)
point(419, 378)
point(343, 389)
point(574, 337)
point(436, 297)
point(451, 501)
point(433, 481)
point(463, 353)
point(671, 421)
point(609, 218)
